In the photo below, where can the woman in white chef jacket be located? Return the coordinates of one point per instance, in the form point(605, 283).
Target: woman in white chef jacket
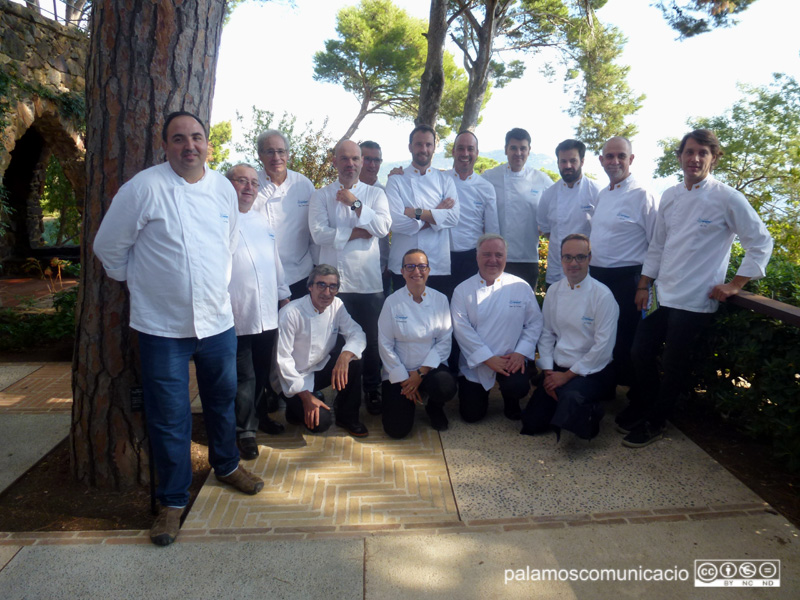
point(414, 339)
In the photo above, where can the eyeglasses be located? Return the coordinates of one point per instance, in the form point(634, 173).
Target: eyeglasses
point(271, 153)
point(410, 268)
point(578, 258)
point(369, 159)
point(322, 286)
point(243, 181)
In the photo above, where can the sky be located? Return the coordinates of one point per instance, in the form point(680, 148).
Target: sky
point(266, 59)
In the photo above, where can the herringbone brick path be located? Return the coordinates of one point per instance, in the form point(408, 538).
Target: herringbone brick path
point(326, 481)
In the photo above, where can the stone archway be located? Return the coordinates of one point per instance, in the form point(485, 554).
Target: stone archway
point(42, 68)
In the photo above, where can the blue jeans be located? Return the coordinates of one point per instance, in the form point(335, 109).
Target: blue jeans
point(165, 381)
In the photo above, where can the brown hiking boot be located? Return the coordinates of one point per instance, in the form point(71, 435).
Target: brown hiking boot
point(243, 480)
point(165, 527)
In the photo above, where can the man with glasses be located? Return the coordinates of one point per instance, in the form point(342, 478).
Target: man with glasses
point(347, 218)
point(257, 290)
point(372, 161)
point(622, 227)
point(283, 196)
point(308, 330)
point(580, 325)
point(496, 321)
point(423, 204)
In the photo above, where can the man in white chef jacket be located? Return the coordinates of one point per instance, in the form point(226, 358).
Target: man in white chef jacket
point(170, 233)
point(567, 206)
point(372, 159)
point(575, 348)
point(519, 189)
point(497, 323)
point(622, 227)
point(347, 219)
point(687, 259)
point(257, 290)
point(424, 206)
point(308, 330)
point(283, 196)
point(477, 204)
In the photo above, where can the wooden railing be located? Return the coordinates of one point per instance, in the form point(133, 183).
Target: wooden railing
point(766, 306)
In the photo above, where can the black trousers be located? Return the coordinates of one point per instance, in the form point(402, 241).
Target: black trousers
point(398, 411)
point(473, 400)
point(299, 289)
point(527, 271)
point(253, 363)
point(578, 391)
point(677, 331)
point(622, 281)
point(365, 310)
point(346, 403)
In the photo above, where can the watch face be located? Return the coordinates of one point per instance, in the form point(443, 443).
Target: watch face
point(418, 212)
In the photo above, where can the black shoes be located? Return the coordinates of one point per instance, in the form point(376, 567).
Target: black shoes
point(628, 419)
point(270, 427)
point(436, 414)
point(374, 402)
point(643, 435)
point(512, 410)
point(248, 448)
point(354, 428)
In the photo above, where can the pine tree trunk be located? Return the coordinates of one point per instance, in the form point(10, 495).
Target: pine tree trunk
point(147, 59)
point(432, 83)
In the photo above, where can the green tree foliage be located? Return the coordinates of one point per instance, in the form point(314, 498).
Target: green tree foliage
point(310, 149)
point(58, 200)
point(219, 137)
point(602, 98)
point(379, 57)
point(693, 17)
point(760, 135)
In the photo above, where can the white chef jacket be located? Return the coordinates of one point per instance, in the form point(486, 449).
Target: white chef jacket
point(477, 211)
point(493, 320)
point(562, 211)
point(257, 280)
point(580, 327)
point(306, 338)
point(331, 223)
point(518, 196)
point(691, 247)
point(623, 224)
point(286, 208)
point(411, 189)
point(172, 242)
point(413, 335)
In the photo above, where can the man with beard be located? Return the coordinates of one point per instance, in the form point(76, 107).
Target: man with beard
point(424, 206)
point(283, 196)
point(347, 218)
point(477, 208)
point(519, 189)
point(566, 207)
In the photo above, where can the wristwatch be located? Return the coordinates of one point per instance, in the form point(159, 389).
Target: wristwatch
point(355, 205)
point(417, 213)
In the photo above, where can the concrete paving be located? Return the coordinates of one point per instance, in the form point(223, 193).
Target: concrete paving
point(25, 438)
point(504, 509)
point(391, 566)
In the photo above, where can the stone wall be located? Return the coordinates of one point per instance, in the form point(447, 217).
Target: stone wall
point(42, 85)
